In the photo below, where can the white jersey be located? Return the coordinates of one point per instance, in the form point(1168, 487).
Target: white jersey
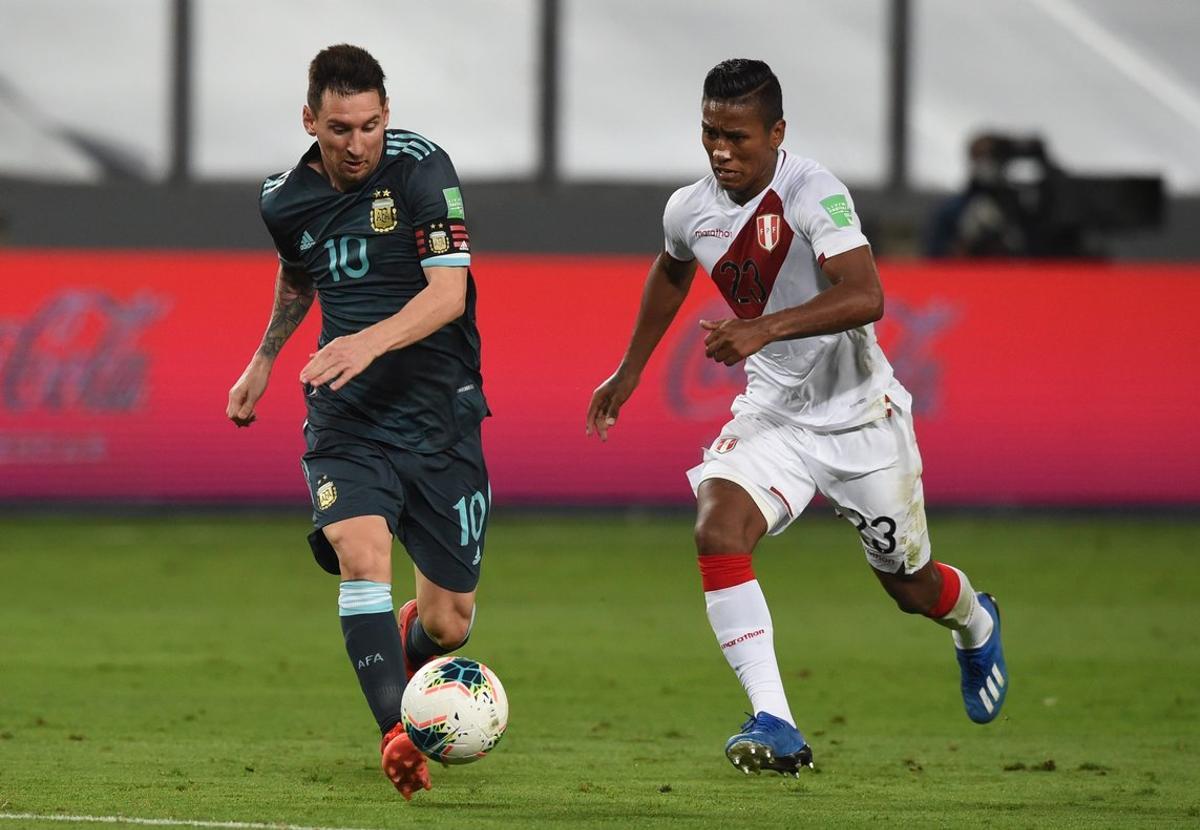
point(765, 256)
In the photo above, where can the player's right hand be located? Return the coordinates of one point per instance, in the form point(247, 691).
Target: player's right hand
point(245, 394)
point(607, 401)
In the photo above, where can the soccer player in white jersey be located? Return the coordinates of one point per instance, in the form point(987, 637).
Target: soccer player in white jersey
point(821, 412)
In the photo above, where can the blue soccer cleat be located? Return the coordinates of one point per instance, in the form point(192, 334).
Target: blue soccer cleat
point(984, 675)
point(769, 743)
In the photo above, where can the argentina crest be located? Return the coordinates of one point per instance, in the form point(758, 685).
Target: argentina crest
point(439, 240)
point(768, 231)
point(326, 493)
point(383, 212)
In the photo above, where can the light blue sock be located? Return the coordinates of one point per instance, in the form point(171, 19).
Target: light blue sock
point(362, 596)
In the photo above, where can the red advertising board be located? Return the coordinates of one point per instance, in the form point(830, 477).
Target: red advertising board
point(1034, 383)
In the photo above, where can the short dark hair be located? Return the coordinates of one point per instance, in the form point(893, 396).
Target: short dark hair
point(748, 80)
point(345, 70)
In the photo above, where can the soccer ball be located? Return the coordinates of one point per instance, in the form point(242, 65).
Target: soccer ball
point(455, 710)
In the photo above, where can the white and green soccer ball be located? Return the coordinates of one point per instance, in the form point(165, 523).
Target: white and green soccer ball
point(455, 710)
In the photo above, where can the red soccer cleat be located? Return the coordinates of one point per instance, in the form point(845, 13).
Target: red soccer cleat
point(404, 619)
point(403, 763)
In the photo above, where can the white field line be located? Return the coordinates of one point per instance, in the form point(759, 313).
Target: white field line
point(167, 822)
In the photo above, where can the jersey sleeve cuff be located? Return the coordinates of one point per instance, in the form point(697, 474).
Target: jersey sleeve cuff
point(679, 255)
point(447, 261)
point(842, 244)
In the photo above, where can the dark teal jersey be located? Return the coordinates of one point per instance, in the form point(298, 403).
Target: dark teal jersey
point(365, 251)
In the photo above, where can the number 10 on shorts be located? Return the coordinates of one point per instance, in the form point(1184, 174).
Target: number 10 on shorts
point(472, 513)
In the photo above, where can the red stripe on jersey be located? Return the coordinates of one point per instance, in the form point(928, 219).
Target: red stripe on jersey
point(951, 587)
point(725, 570)
point(821, 260)
point(746, 273)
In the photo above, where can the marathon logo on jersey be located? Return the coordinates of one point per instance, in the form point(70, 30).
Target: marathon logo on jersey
point(769, 231)
point(383, 212)
point(719, 233)
point(724, 445)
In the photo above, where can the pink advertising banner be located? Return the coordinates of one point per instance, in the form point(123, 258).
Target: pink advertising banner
point(1035, 384)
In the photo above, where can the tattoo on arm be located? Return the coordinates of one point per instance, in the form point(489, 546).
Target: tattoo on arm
point(293, 297)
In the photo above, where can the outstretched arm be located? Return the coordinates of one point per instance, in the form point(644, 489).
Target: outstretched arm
point(294, 294)
point(854, 299)
point(666, 288)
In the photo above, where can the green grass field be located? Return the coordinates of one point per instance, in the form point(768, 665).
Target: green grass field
point(193, 669)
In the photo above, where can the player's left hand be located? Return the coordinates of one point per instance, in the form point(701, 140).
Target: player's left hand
point(339, 361)
point(732, 341)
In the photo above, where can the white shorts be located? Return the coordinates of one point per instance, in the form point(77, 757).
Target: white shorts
point(871, 474)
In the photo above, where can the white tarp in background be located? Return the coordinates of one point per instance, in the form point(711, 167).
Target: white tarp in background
point(464, 74)
point(634, 70)
point(97, 67)
point(1112, 85)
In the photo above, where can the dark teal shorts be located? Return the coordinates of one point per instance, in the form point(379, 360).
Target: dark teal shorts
point(437, 505)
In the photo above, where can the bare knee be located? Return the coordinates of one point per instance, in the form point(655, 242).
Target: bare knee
point(714, 537)
point(727, 519)
point(446, 625)
point(364, 548)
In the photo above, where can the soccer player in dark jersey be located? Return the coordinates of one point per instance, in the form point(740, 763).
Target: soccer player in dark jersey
point(371, 223)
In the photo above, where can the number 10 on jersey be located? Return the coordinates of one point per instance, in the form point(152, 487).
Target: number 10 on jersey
point(471, 515)
point(339, 257)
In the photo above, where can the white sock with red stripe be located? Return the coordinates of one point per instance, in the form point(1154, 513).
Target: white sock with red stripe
point(959, 610)
point(738, 614)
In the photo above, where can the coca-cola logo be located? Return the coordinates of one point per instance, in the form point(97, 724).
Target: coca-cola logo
point(700, 389)
point(697, 388)
point(910, 333)
point(78, 352)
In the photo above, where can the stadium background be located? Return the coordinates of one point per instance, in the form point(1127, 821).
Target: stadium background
point(166, 650)
point(134, 140)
